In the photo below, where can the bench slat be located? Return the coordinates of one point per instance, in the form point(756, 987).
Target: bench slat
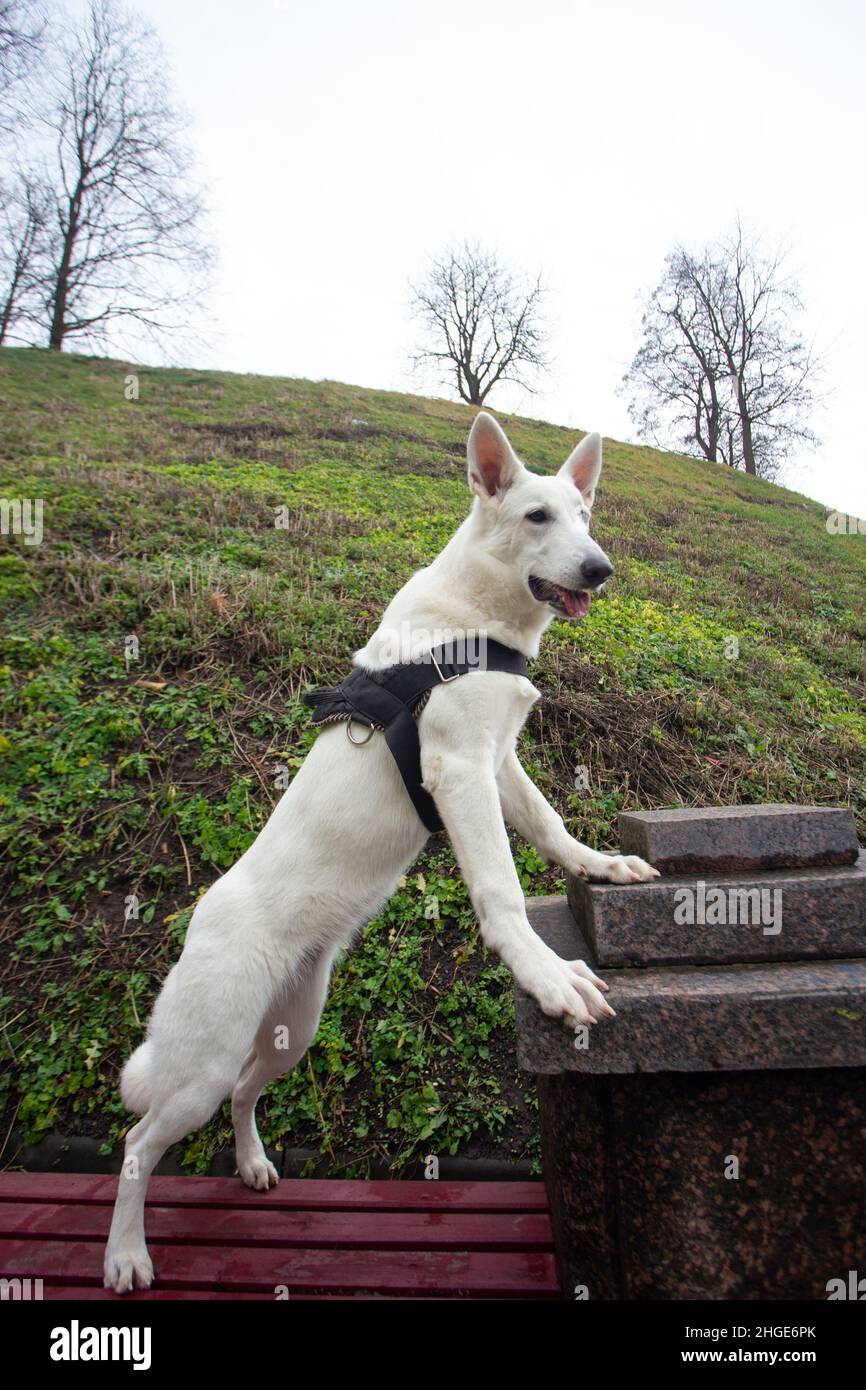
point(371, 1230)
point(89, 1293)
point(256, 1269)
point(294, 1193)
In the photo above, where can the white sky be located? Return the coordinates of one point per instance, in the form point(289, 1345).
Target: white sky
point(347, 141)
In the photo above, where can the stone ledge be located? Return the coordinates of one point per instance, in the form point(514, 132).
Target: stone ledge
point(732, 839)
point(823, 916)
point(699, 1018)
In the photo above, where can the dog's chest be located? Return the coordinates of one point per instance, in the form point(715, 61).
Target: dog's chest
point(486, 708)
point(509, 718)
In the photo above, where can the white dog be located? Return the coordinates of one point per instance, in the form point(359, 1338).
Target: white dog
point(257, 959)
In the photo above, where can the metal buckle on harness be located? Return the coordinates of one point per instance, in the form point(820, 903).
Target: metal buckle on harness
point(444, 679)
point(359, 742)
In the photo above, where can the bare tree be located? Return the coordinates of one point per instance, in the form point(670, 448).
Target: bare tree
point(482, 324)
point(677, 381)
point(125, 236)
point(22, 30)
point(24, 211)
point(722, 370)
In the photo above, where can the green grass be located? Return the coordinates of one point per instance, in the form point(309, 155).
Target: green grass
point(159, 518)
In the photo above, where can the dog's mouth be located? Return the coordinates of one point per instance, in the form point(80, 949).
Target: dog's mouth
point(574, 603)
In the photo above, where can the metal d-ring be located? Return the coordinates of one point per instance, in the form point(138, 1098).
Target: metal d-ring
point(359, 742)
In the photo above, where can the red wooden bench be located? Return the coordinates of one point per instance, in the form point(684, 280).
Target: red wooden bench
point(212, 1238)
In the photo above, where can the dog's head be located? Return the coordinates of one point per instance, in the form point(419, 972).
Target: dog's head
point(539, 523)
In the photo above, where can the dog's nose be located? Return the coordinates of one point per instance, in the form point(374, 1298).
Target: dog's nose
point(594, 572)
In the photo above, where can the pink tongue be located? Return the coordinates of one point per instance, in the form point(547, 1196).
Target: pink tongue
point(576, 605)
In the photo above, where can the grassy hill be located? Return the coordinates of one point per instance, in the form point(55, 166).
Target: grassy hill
point(150, 776)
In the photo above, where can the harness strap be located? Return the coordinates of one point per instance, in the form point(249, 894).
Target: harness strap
point(390, 700)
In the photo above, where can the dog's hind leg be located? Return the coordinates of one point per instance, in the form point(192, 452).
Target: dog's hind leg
point(283, 1037)
point(201, 1028)
point(171, 1116)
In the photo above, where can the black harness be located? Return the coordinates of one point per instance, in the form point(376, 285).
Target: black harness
point(391, 701)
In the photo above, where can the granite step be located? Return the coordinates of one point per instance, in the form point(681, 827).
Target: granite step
point(793, 914)
point(687, 1018)
point(736, 839)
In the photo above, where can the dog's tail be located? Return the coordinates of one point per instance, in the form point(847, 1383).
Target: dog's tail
point(136, 1079)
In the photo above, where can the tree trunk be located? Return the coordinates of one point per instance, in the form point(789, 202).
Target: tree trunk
point(58, 313)
point(8, 310)
point(61, 284)
point(746, 434)
point(472, 394)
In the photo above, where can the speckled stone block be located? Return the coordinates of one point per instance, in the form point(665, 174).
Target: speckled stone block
point(735, 839)
point(794, 914)
point(700, 1018)
point(710, 1141)
point(643, 1197)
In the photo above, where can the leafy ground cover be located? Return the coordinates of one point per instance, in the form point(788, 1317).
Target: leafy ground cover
point(245, 532)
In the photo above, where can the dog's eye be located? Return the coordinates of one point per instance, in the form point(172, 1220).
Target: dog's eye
point(538, 517)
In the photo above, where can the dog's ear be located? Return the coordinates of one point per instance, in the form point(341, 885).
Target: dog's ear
point(493, 464)
point(583, 466)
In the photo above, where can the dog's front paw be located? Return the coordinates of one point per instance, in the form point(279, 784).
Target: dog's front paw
point(622, 868)
point(568, 990)
point(126, 1270)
